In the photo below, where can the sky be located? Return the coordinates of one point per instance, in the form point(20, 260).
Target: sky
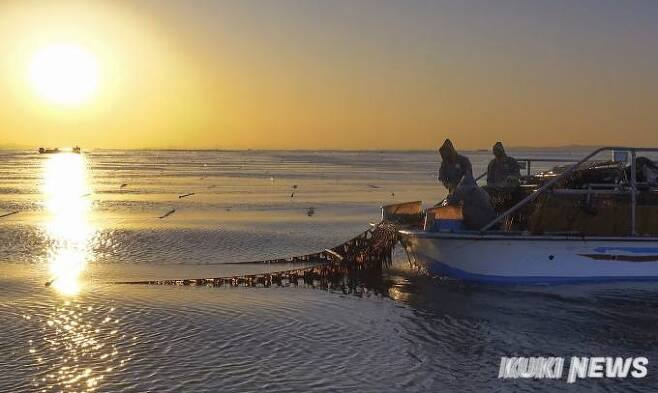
point(357, 74)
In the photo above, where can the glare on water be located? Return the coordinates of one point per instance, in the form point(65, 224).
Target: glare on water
point(79, 343)
point(66, 198)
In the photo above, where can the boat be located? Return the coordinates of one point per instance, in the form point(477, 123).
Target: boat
point(589, 221)
point(44, 150)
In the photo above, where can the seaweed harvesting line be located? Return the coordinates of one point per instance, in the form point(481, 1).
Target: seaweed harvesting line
point(370, 251)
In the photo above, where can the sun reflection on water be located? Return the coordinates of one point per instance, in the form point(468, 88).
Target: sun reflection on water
point(65, 191)
point(80, 346)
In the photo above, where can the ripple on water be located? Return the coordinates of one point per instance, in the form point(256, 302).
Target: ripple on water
point(430, 336)
point(71, 346)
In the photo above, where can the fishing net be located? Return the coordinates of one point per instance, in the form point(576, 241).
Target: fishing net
point(504, 199)
point(371, 251)
point(603, 215)
point(596, 215)
point(598, 171)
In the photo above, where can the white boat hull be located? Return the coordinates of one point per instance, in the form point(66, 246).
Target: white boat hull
point(533, 259)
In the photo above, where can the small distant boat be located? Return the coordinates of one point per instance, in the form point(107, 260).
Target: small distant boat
point(45, 150)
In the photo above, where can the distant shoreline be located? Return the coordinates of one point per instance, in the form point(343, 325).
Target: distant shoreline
point(510, 148)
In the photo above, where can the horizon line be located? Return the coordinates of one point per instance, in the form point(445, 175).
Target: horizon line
point(509, 147)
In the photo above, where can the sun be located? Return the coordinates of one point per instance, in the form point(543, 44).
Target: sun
point(65, 74)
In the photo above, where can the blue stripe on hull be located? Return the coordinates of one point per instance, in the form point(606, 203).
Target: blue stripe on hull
point(441, 268)
point(634, 250)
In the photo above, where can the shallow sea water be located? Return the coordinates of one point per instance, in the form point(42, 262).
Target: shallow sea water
point(84, 221)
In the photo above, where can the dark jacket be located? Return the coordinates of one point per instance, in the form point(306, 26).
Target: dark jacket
point(476, 204)
point(450, 173)
point(500, 169)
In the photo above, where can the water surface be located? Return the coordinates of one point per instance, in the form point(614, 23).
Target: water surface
point(85, 220)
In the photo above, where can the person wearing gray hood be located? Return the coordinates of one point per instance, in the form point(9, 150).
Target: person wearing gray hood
point(477, 209)
point(453, 166)
point(503, 171)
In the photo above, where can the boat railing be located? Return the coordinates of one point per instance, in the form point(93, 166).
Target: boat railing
point(526, 164)
point(633, 183)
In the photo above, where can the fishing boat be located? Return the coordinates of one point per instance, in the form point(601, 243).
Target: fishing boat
point(45, 150)
point(583, 222)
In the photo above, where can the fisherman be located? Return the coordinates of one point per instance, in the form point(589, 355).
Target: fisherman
point(646, 171)
point(503, 171)
point(453, 166)
point(476, 204)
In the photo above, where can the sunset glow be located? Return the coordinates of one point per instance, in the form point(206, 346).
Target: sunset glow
point(278, 75)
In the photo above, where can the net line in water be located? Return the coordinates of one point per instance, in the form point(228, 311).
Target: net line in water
point(369, 252)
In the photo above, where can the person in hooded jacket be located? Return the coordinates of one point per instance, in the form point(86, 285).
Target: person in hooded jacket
point(453, 166)
point(503, 171)
point(477, 209)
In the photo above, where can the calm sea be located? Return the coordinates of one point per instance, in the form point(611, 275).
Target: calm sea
point(85, 220)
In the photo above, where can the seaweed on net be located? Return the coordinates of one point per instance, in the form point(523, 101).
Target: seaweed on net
point(595, 215)
point(503, 199)
point(597, 171)
point(366, 254)
point(528, 216)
